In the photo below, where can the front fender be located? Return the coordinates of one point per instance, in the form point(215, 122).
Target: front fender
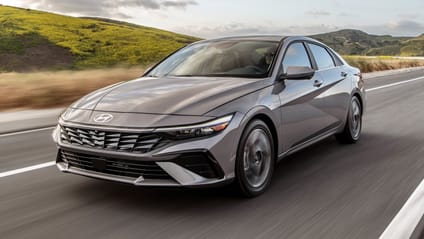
point(262, 103)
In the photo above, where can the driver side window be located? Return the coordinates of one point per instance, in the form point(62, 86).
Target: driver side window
point(296, 55)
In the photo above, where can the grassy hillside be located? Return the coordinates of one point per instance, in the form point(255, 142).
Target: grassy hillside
point(355, 42)
point(35, 39)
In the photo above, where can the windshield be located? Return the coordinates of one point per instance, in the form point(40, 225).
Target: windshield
point(226, 58)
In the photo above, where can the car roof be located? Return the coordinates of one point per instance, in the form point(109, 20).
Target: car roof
point(276, 38)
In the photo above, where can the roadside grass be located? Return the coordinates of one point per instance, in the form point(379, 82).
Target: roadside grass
point(54, 89)
point(381, 63)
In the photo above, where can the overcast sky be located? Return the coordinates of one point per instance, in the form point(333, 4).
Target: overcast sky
point(214, 18)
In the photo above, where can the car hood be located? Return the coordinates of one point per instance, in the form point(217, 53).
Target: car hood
point(169, 95)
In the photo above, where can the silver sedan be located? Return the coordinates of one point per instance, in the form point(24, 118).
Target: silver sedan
point(214, 112)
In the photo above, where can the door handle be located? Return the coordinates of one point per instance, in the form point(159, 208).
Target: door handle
point(343, 74)
point(318, 83)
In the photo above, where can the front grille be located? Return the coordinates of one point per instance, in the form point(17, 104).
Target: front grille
point(119, 167)
point(115, 141)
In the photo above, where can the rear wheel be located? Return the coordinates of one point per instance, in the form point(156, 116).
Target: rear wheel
point(353, 127)
point(255, 159)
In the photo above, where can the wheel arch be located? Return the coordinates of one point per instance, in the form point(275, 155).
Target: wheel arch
point(361, 101)
point(266, 115)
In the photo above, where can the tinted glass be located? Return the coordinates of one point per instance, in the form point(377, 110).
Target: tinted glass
point(337, 59)
point(322, 57)
point(220, 58)
point(296, 55)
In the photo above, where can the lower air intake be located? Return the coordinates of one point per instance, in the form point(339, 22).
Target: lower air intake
point(113, 166)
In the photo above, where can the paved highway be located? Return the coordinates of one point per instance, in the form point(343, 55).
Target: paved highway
point(326, 191)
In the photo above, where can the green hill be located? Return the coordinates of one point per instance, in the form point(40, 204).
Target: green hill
point(31, 39)
point(355, 42)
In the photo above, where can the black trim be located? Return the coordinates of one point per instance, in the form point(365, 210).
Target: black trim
point(112, 166)
point(201, 163)
point(337, 59)
point(214, 163)
point(311, 56)
point(316, 134)
point(210, 167)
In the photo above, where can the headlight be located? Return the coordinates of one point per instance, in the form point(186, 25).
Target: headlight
point(205, 129)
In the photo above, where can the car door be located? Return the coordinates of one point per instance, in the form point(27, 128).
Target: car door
point(333, 75)
point(302, 103)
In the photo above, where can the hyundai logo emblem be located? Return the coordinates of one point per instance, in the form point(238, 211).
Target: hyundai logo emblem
point(103, 118)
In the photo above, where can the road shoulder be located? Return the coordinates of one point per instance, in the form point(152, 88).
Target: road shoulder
point(28, 119)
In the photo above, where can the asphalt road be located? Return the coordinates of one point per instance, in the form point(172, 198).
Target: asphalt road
point(326, 191)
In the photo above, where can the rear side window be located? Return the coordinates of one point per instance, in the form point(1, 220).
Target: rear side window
point(296, 55)
point(336, 58)
point(322, 57)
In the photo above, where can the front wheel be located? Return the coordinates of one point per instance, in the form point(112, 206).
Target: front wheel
point(353, 127)
point(255, 159)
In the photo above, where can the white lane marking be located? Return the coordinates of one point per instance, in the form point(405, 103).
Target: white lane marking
point(407, 219)
point(27, 169)
point(395, 84)
point(26, 131)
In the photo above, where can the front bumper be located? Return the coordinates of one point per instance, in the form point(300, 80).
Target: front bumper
point(186, 169)
point(188, 178)
point(190, 163)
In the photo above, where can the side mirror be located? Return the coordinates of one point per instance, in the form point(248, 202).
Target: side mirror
point(298, 73)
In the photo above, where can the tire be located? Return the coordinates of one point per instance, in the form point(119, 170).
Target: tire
point(353, 127)
point(255, 159)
